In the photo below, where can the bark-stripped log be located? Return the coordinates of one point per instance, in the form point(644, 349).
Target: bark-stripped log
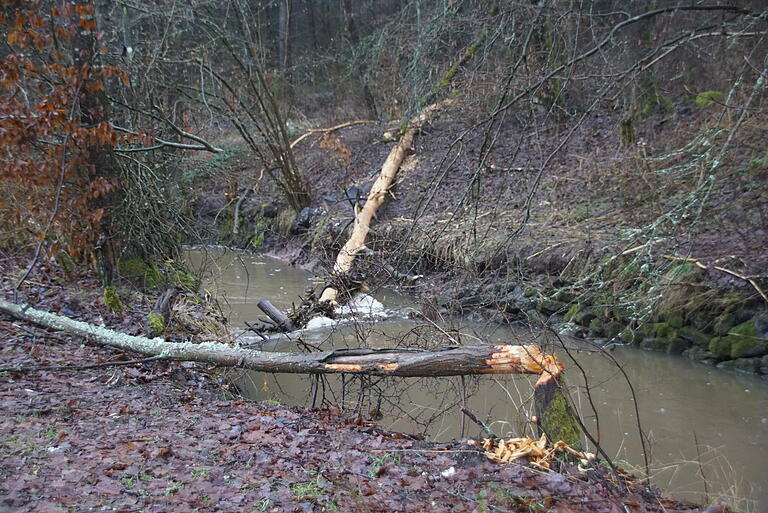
point(356, 242)
point(450, 361)
point(283, 321)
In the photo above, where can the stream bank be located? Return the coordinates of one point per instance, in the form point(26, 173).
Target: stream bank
point(85, 428)
point(599, 236)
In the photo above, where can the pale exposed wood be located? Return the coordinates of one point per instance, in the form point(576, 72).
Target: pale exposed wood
point(356, 242)
point(450, 361)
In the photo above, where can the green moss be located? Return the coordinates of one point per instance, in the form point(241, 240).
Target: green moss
point(156, 324)
point(564, 295)
point(559, 423)
point(596, 326)
point(571, 313)
point(132, 267)
point(707, 98)
point(675, 319)
point(112, 300)
point(720, 347)
point(584, 317)
point(664, 331)
point(135, 267)
point(529, 292)
point(744, 339)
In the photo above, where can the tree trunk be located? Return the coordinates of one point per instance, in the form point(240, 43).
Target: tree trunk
point(352, 33)
point(100, 165)
point(356, 242)
point(285, 13)
point(450, 361)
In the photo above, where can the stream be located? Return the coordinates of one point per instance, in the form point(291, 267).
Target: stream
point(699, 420)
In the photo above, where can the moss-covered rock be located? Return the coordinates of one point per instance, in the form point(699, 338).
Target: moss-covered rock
point(564, 296)
point(597, 327)
point(529, 292)
point(584, 317)
point(675, 319)
point(630, 335)
point(156, 324)
point(550, 306)
point(720, 348)
point(695, 336)
point(748, 365)
point(664, 331)
point(655, 344)
point(112, 300)
point(698, 353)
point(745, 341)
point(707, 98)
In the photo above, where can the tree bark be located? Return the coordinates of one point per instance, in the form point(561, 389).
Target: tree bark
point(450, 361)
point(100, 162)
point(356, 242)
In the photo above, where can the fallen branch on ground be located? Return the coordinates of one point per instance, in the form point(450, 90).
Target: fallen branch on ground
point(328, 130)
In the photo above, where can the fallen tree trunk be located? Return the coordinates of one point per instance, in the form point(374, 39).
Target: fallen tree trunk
point(356, 242)
point(450, 361)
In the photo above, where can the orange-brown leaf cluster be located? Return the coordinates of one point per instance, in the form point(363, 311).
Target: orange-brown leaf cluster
point(51, 124)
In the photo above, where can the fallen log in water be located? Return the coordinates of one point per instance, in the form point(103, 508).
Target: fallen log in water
point(450, 361)
point(281, 320)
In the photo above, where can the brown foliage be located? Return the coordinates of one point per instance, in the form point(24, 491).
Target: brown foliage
point(51, 125)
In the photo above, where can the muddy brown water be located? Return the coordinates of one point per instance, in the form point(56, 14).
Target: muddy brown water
point(699, 419)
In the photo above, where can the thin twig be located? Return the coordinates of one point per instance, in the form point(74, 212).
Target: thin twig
point(488, 431)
